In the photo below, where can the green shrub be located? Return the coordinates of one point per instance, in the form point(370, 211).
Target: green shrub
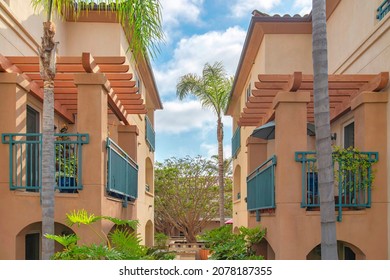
point(226, 245)
point(121, 244)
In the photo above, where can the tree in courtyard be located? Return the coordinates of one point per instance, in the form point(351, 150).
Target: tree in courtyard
point(322, 126)
point(143, 18)
point(185, 195)
point(212, 89)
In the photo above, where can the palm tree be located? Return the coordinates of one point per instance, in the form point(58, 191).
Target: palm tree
point(212, 89)
point(322, 125)
point(142, 18)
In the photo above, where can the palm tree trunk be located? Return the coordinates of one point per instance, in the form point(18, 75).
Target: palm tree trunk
point(220, 172)
point(322, 124)
point(47, 68)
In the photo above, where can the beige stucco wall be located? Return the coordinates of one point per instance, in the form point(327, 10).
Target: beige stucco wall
point(349, 26)
point(20, 33)
point(357, 43)
point(21, 28)
point(282, 58)
point(273, 57)
point(365, 48)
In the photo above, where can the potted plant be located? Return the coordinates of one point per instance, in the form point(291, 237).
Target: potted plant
point(353, 173)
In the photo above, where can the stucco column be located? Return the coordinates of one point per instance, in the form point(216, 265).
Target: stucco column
point(371, 124)
point(290, 136)
point(127, 139)
point(92, 119)
point(12, 115)
point(257, 152)
point(13, 96)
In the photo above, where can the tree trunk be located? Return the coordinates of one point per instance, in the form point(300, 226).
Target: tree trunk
point(47, 68)
point(322, 125)
point(220, 172)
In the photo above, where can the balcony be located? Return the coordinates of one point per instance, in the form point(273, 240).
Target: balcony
point(352, 189)
point(25, 161)
point(122, 172)
point(261, 187)
point(150, 134)
point(236, 142)
point(383, 9)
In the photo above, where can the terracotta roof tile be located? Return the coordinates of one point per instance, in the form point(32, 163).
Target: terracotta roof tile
point(276, 17)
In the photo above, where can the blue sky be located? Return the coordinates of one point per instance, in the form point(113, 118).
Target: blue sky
point(200, 31)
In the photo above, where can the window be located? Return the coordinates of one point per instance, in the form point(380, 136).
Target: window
point(248, 92)
point(349, 138)
point(32, 156)
point(138, 82)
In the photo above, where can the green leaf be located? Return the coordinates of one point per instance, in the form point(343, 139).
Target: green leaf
point(81, 217)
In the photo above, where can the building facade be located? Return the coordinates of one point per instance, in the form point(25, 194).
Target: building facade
point(104, 120)
point(274, 174)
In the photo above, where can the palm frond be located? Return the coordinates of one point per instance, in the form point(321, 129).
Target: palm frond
point(211, 89)
point(189, 84)
point(141, 19)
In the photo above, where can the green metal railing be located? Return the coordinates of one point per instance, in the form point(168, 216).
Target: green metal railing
point(261, 187)
point(122, 181)
point(353, 189)
point(236, 142)
point(383, 9)
point(150, 134)
point(25, 160)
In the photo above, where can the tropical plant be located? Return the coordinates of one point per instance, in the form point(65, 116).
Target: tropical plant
point(212, 89)
point(121, 244)
point(353, 166)
point(226, 245)
point(141, 19)
point(160, 239)
point(323, 132)
point(184, 192)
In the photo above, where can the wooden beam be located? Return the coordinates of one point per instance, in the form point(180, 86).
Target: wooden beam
point(253, 111)
point(253, 116)
point(75, 68)
point(132, 102)
point(68, 59)
point(88, 63)
point(377, 83)
point(126, 91)
point(294, 82)
point(116, 107)
point(254, 99)
point(65, 96)
point(264, 92)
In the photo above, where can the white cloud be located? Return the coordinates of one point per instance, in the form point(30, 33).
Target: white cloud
point(182, 116)
point(210, 150)
point(245, 8)
point(303, 5)
point(192, 53)
point(180, 10)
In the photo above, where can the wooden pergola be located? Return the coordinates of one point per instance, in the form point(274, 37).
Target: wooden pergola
point(123, 96)
point(342, 89)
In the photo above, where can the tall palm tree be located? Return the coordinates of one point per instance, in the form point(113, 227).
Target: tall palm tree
point(322, 125)
point(142, 18)
point(212, 89)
